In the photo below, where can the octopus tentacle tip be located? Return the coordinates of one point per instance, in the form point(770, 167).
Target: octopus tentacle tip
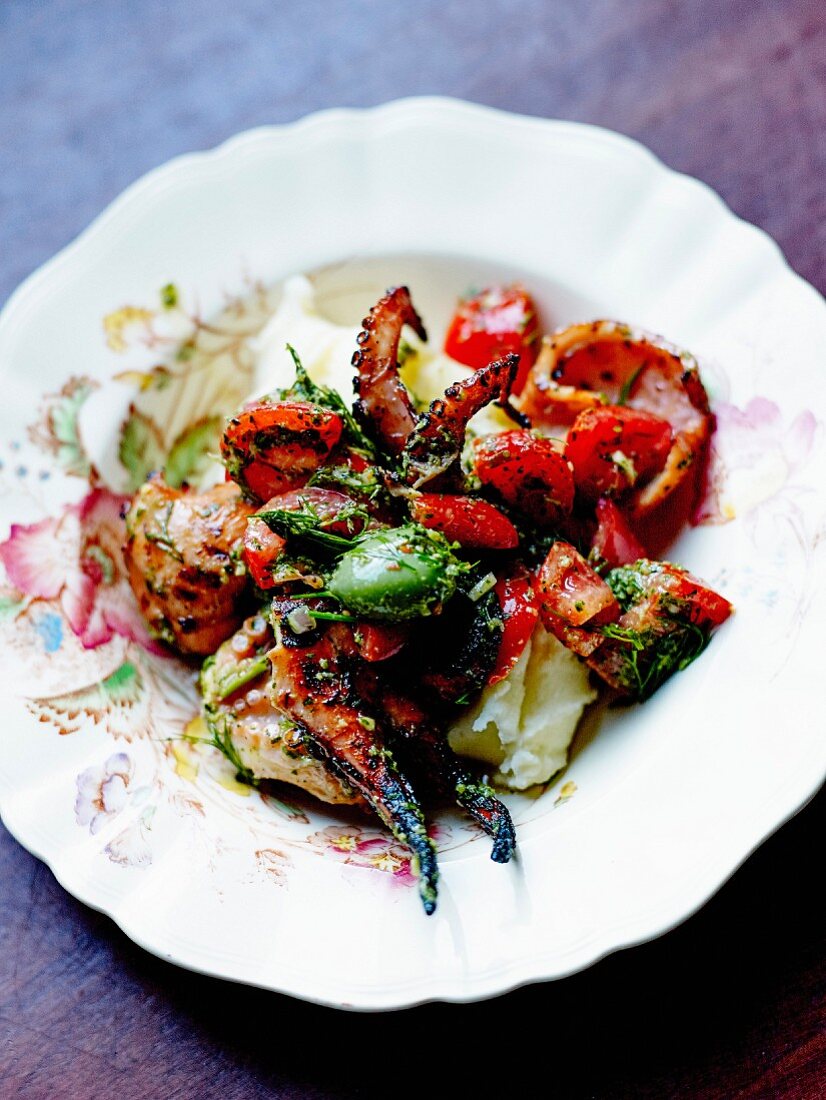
point(504, 843)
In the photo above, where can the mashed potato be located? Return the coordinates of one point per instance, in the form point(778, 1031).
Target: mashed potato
point(523, 725)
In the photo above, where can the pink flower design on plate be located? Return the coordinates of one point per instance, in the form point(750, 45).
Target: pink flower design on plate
point(76, 559)
point(361, 847)
point(102, 792)
point(755, 455)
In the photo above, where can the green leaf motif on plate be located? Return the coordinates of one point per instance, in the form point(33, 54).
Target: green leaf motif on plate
point(57, 431)
point(141, 447)
point(190, 452)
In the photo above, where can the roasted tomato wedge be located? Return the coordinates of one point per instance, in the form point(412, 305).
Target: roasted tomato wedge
point(380, 641)
point(262, 547)
point(615, 448)
point(705, 606)
point(529, 472)
point(271, 447)
point(520, 611)
point(491, 324)
point(574, 601)
point(605, 362)
point(470, 522)
point(614, 542)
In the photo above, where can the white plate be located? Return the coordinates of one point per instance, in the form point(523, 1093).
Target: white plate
point(670, 798)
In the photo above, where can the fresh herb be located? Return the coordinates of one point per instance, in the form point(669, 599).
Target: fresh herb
point(307, 523)
point(162, 537)
point(627, 582)
point(305, 389)
point(219, 726)
point(364, 484)
point(648, 657)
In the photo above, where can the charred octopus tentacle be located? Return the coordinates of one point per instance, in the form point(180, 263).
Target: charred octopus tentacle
point(384, 405)
point(316, 684)
point(436, 441)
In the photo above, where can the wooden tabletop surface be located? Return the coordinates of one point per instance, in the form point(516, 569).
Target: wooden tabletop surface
point(731, 1004)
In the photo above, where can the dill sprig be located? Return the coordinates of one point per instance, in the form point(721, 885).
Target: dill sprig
point(649, 657)
point(307, 523)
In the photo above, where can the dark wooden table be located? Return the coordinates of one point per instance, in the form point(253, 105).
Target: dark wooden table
point(732, 1004)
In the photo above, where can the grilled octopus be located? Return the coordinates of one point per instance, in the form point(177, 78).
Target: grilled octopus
point(317, 683)
point(358, 726)
point(383, 404)
point(435, 443)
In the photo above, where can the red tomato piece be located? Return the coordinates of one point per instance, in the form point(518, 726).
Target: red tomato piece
point(614, 542)
point(615, 448)
point(326, 503)
point(271, 447)
point(520, 611)
point(357, 462)
point(529, 472)
point(469, 521)
point(379, 641)
point(706, 607)
point(574, 600)
point(262, 547)
point(490, 325)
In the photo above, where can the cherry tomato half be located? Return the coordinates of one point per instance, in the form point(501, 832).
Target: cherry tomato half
point(489, 325)
point(574, 599)
point(705, 606)
point(271, 447)
point(529, 472)
point(614, 448)
point(664, 603)
point(470, 522)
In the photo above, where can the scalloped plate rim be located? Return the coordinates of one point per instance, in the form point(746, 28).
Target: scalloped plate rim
point(526, 970)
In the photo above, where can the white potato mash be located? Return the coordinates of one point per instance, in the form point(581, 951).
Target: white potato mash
point(523, 725)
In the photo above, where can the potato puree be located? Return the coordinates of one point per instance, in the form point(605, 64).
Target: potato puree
point(523, 725)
